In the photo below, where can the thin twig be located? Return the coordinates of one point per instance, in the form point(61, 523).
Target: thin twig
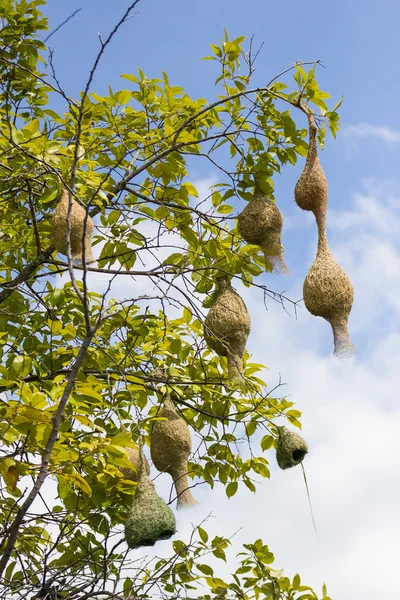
point(61, 25)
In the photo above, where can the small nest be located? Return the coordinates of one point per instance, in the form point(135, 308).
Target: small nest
point(291, 448)
point(311, 191)
point(226, 329)
point(328, 293)
point(149, 518)
point(77, 220)
point(260, 223)
point(134, 458)
point(170, 448)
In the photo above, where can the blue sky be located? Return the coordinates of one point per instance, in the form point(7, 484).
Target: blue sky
point(351, 417)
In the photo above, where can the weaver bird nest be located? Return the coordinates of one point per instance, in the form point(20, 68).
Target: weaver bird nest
point(227, 327)
point(170, 448)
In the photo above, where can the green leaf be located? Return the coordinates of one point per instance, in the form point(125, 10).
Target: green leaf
point(80, 482)
point(216, 49)
point(49, 195)
point(130, 77)
point(251, 427)
point(338, 104)
point(121, 438)
point(187, 315)
point(231, 488)
point(123, 97)
point(225, 209)
point(205, 569)
point(128, 587)
point(203, 534)
point(21, 366)
point(267, 442)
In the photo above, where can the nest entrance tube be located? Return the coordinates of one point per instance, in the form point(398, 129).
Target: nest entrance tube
point(81, 229)
point(170, 448)
point(226, 328)
point(343, 346)
point(291, 448)
point(260, 223)
point(149, 519)
point(235, 368)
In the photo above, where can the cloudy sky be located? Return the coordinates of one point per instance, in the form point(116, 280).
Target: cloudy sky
point(351, 415)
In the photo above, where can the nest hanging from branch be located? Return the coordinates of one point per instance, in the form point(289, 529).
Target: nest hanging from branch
point(327, 290)
point(78, 232)
point(311, 191)
point(149, 518)
point(291, 448)
point(260, 223)
point(170, 448)
point(328, 293)
point(226, 328)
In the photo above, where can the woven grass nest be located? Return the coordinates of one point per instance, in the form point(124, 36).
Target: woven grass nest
point(170, 448)
point(291, 448)
point(311, 191)
point(260, 223)
point(77, 220)
point(328, 293)
point(134, 458)
point(227, 327)
point(149, 518)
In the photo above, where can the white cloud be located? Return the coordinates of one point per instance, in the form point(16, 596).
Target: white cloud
point(366, 130)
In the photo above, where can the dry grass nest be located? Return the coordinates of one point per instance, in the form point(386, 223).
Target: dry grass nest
point(78, 232)
point(149, 519)
point(260, 223)
point(311, 191)
point(291, 448)
point(227, 327)
point(170, 448)
point(328, 293)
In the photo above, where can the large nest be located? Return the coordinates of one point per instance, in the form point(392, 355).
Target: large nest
point(134, 458)
point(77, 229)
point(149, 518)
point(260, 223)
point(227, 327)
point(311, 191)
point(170, 448)
point(291, 448)
point(328, 293)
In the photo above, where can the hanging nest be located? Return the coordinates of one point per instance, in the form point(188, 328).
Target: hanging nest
point(311, 191)
point(328, 293)
point(170, 448)
point(134, 458)
point(260, 223)
point(149, 518)
point(77, 229)
point(291, 448)
point(227, 327)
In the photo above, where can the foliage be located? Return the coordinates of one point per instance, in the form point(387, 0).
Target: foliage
point(77, 365)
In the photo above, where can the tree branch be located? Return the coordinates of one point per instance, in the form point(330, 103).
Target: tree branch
point(12, 535)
